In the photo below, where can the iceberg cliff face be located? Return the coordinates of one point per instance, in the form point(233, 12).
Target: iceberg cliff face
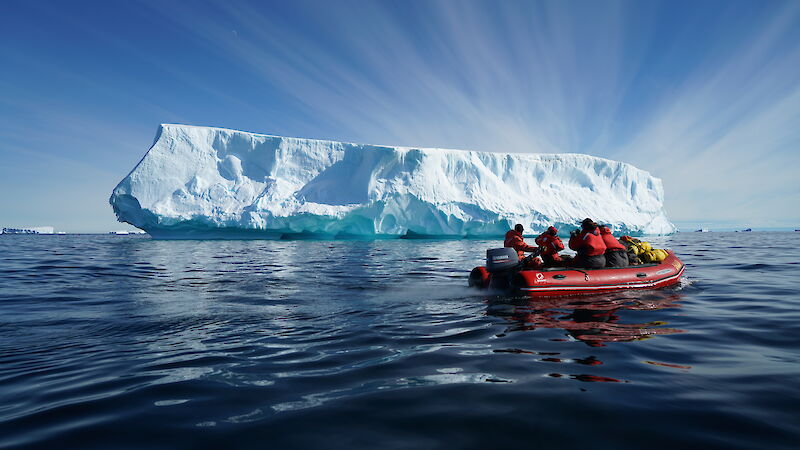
point(212, 182)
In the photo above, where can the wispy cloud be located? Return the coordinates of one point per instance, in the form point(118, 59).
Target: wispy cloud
point(726, 140)
point(706, 96)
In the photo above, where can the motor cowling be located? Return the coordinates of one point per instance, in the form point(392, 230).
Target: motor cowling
point(501, 259)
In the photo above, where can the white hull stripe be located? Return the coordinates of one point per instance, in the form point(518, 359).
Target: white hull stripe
point(645, 284)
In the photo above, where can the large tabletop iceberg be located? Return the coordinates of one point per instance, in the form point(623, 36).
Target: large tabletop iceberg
point(212, 182)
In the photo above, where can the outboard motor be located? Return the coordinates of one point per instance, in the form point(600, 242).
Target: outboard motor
point(501, 259)
point(502, 263)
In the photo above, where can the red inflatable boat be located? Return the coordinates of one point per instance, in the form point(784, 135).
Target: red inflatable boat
point(504, 272)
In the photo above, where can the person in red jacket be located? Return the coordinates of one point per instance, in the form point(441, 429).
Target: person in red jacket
point(616, 253)
point(551, 244)
point(589, 245)
point(514, 240)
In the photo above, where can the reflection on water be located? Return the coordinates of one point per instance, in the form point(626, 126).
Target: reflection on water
point(593, 320)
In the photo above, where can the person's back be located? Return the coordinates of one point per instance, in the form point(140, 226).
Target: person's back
point(589, 246)
point(515, 240)
point(616, 253)
point(551, 244)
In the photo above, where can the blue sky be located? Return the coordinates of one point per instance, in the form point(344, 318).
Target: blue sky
point(705, 95)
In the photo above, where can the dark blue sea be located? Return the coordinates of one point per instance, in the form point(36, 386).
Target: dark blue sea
point(113, 342)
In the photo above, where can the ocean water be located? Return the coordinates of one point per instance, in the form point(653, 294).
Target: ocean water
point(128, 342)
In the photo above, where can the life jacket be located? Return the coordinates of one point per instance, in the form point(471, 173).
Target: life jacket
point(611, 242)
point(514, 240)
point(588, 243)
point(551, 244)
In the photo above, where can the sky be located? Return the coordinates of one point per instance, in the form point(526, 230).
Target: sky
point(702, 94)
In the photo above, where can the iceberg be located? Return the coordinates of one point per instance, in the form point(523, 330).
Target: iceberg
point(203, 182)
point(28, 230)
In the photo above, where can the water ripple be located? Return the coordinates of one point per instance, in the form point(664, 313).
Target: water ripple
point(110, 341)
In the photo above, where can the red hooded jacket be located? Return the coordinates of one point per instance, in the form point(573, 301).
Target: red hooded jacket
point(611, 242)
point(552, 244)
point(515, 241)
point(588, 243)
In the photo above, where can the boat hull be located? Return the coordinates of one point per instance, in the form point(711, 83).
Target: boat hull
point(552, 282)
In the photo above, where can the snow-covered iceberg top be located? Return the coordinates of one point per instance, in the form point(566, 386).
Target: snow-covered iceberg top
point(212, 182)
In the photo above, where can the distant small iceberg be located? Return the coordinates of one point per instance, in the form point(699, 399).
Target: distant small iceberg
point(701, 230)
point(28, 230)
